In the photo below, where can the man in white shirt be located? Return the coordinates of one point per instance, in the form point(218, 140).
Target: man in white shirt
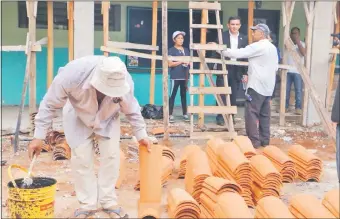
point(293, 76)
point(263, 64)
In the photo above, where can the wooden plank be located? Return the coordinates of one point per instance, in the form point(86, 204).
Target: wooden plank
point(50, 47)
point(205, 5)
point(209, 90)
point(215, 72)
point(250, 19)
point(213, 109)
point(209, 135)
point(35, 48)
point(318, 104)
point(203, 46)
point(33, 60)
point(154, 43)
point(70, 32)
point(127, 45)
point(204, 21)
point(178, 58)
point(208, 26)
point(106, 23)
point(165, 68)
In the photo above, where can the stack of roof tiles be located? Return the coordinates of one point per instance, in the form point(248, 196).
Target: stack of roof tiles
point(212, 151)
point(332, 202)
point(308, 206)
point(245, 145)
point(233, 165)
point(183, 163)
point(197, 171)
point(308, 166)
point(266, 178)
point(182, 205)
point(213, 187)
point(168, 158)
point(282, 162)
point(231, 205)
point(272, 207)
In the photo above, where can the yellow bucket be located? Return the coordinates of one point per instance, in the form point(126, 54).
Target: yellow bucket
point(35, 202)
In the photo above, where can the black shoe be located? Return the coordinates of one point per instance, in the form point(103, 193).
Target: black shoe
point(264, 144)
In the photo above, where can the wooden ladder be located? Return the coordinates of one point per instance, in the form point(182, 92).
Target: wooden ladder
point(227, 110)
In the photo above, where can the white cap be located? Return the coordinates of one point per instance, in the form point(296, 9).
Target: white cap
point(176, 33)
point(109, 77)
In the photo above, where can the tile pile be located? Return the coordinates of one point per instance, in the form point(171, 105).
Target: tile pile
point(245, 145)
point(308, 206)
point(231, 205)
point(282, 162)
point(122, 170)
point(186, 152)
point(212, 150)
point(58, 145)
point(233, 165)
point(308, 166)
point(46, 147)
point(62, 152)
point(168, 158)
point(32, 116)
point(332, 202)
point(182, 205)
point(272, 207)
point(266, 178)
point(197, 171)
point(213, 187)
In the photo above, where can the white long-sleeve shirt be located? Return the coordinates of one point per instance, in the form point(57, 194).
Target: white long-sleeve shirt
point(83, 116)
point(263, 64)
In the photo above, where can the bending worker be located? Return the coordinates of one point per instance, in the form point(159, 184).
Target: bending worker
point(263, 64)
point(92, 90)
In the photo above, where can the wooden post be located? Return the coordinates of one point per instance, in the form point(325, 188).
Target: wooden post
point(250, 19)
point(202, 76)
point(287, 12)
point(309, 13)
point(50, 28)
point(106, 22)
point(70, 17)
point(31, 13)
point(165, 68)
point(154, 43)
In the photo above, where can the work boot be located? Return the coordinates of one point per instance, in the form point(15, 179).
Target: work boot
point(171, 119)
point(298, 111)
point(186, 118)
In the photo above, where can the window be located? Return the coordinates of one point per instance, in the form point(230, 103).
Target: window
point(60, 16)
point(114, 17)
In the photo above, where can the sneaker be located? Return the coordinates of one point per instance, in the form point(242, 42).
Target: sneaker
point(298, 111)
point(186, 118)
point(171, 119)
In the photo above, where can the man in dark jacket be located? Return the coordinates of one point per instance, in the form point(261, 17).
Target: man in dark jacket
point(233, 39)
point(336, 119)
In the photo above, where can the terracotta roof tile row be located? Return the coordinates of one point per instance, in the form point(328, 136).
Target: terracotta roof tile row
point(266, 178)
point(272, 207)
point(212, 152)
point(308, 166)
point(233, 165)
point(245, 145)
point(282, 162)
point(308, 206)
point(182, 205)
point(213, 187)
point(332, 202)
point(61, 151)
point(183, 163)
point(197, 171)
point(231, 205)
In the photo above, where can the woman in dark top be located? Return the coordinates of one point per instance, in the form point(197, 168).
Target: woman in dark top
point(178, 74)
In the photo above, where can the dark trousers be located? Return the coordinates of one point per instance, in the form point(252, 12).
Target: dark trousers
point(257, 118)
point(297, 80)
point(233, 83)
point(174, 87)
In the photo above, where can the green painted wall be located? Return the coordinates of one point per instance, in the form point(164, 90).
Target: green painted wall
point(13, 63)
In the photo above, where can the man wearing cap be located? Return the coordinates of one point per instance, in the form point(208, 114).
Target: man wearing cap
point(263, 64)
point(92, 91)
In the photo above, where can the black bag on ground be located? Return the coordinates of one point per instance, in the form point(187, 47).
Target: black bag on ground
point(150, 111)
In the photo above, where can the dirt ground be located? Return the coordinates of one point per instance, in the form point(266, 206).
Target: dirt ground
point(66, 202)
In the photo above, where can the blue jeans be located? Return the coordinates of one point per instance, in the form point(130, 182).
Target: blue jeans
point(338, 150)
point(297, 80)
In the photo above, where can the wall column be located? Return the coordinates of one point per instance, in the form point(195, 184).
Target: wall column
point(320, 47)
point(83, 29)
